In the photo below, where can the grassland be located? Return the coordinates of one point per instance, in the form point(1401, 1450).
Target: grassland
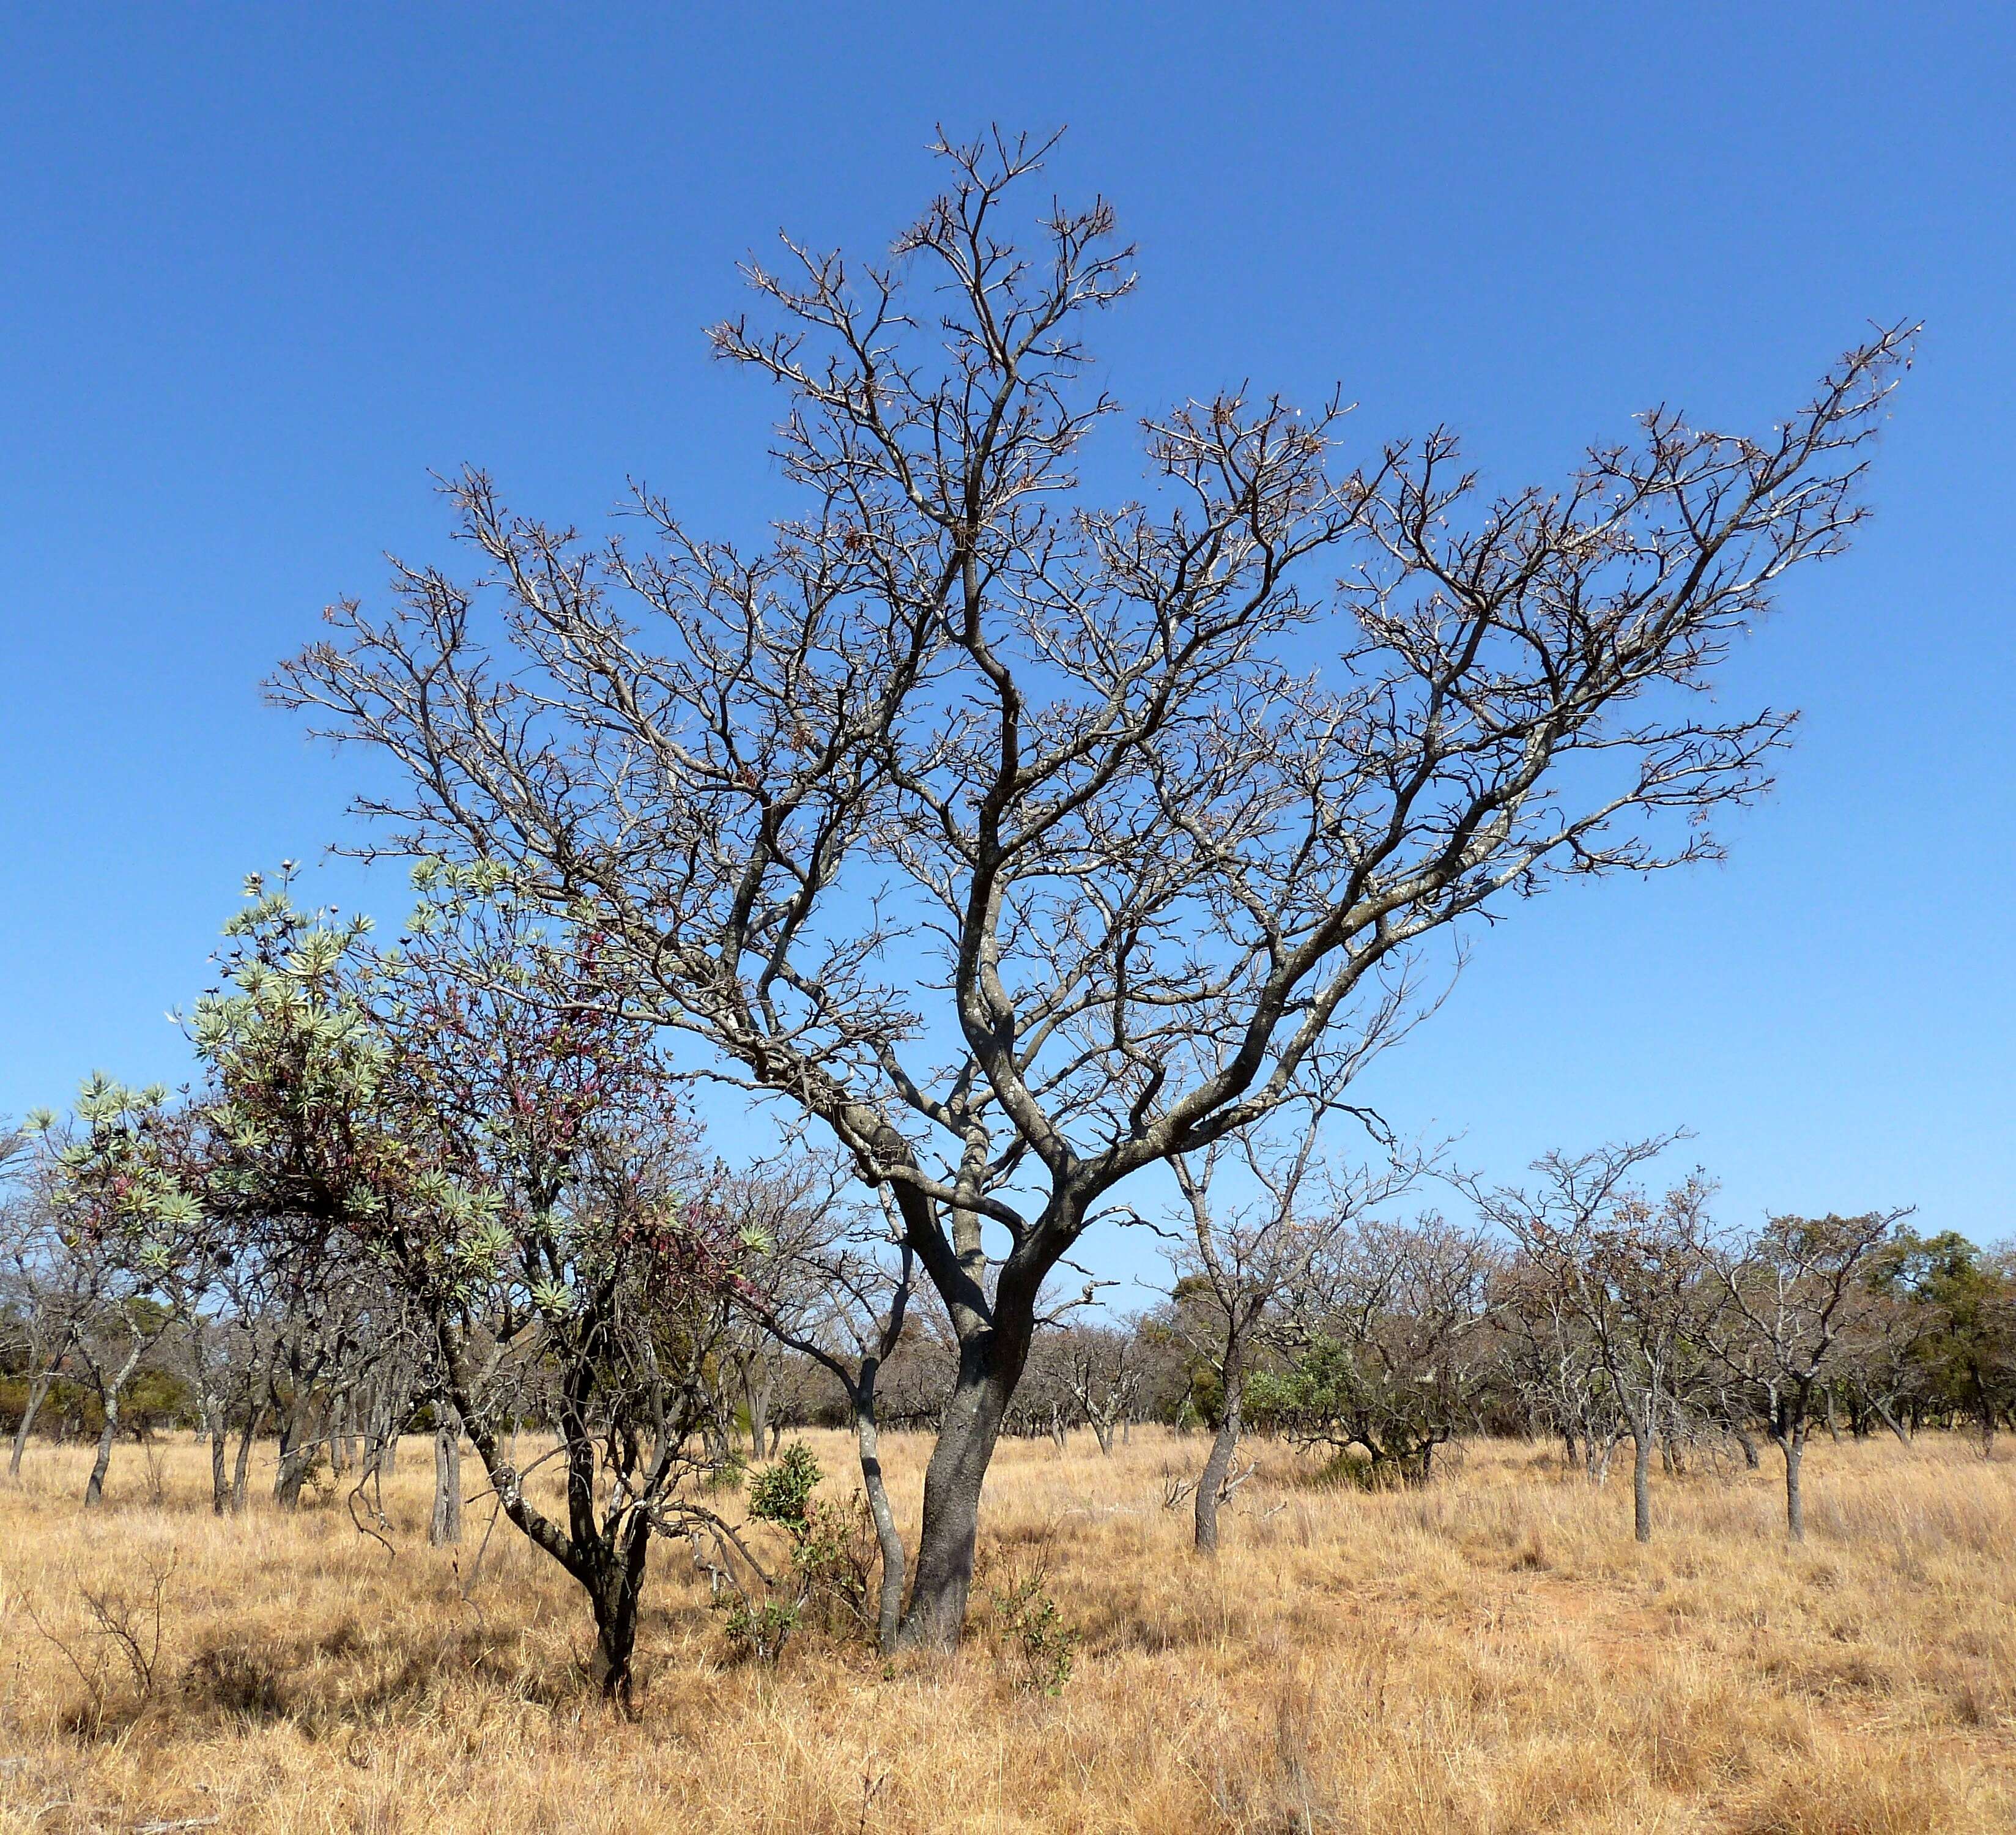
point(1493, 1654)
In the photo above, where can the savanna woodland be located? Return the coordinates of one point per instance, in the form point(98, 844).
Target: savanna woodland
point(625, 1339)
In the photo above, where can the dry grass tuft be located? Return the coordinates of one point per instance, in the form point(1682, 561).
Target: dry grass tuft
point(1493, 1656)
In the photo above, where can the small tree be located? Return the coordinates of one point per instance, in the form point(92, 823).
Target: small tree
point(1629, 1270)
point(833, 1282)
point(1390, 1357)
point(131, 1240)
point(1239, 1261)
point(1099, 1362)
point(1794, 1293)
point(508, 1155)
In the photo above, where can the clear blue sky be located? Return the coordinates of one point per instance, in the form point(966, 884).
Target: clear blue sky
point(265, 267)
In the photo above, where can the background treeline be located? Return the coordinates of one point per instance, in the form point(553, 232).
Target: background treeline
point(1583, 1311)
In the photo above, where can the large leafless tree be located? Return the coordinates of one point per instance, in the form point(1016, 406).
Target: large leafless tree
point(1025, 841)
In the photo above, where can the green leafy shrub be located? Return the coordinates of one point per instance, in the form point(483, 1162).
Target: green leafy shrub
point(826, 1584)
point(1029, 1628)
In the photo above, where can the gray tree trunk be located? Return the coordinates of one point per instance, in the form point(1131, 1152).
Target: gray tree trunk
point(1641, 1485)
point(241, 1477)
point(966, 1435)
point(1889, 1419)
point(1224, 1444)
point(37, 1391)
point(1794, 1447)
point(94, 1489)
point(220, 1485)
point(297, 1453)
point(889, 1604)
point(446, 1526)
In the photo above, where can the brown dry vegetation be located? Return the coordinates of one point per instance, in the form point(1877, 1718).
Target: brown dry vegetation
point(1493, 1654)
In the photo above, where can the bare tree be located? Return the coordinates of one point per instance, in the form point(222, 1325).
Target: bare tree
point(1554, 1362)
point(1238, 1258)
point(1099, 1366)
point(1629, 1270)
point(1795, 1293)
point(1390, 1351)
point(1025, 842)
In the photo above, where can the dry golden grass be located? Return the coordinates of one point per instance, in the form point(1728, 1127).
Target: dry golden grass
point(1494, 1654)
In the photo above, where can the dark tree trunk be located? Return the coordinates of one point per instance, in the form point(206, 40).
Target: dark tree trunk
point(988, 1369)
point(1752, 1459)
point(615, 1596)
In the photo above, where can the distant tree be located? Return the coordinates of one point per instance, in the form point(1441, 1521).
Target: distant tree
point(1070, 800)
point(1101, 1368)
point(832, 1283)
point(44, 1290)
point(1631, 1271)
point(1958, 1306)
point(1794, 1292)
point(1391, 1358)
point(133, 1251)
point(1243, 1258)
point(1554, 1363)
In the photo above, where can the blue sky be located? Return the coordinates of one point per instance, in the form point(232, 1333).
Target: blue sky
point(267, 266)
